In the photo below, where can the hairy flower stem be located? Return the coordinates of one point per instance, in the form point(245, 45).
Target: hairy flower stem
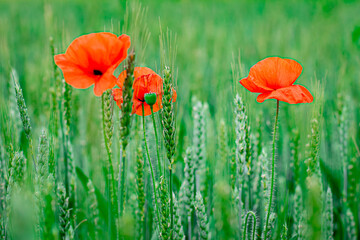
point(272, 170)
point(156, 139)
point(254, 225)
point(151, 168)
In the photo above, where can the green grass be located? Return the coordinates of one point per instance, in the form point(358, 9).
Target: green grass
point(216, 43)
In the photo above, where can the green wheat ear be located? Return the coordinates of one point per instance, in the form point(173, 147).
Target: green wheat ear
point(352, 169)
point(270, 232)
point(140, 211)
point(125, 124)
point(240, 141)
point(284, 232)
point(233, 172)
point(298, 210)
point(265, 181)
point(44, 190)
point(125, 120)
point(241, 147)
point(93, 210)
point(178, 228)
point(199, 150)
point(328, 216)
point(72, 183)
point(2, 228)
point(312, 161)
point(294, 154)
point(199, 135)
point(67, 95)
point(255, 166)
point(108, 122)
point(13, 109)
point(202, 221)
point(42, 160)
point(64, 212)
point(343, 129)
point(41, 182)
point(165, 231)
point(190, 187)
point(108, 130)
point(24, 115)
point(182, 203)
point(168, 116)
point(351, 225)
point(17, 171)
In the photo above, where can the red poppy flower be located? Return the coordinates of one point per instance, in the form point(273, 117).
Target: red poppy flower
point(274, 77)
point(145, 81)
point(92, 59)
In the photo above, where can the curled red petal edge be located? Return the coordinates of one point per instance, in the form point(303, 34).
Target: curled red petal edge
point(294, 94)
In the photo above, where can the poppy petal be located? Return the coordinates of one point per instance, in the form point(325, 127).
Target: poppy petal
point(98, 50)
point(107, 81)
point(117, 95)
point(174, 97)
point(250, 84)
point(155, 84)
point(151, 83)
point(141, 71)
point(158, 105)
point(138, 73)
point(137, 107)
point(73, 75)
point(274, 73)
point(121, 79)
point(293, 95)
point(125, 39)
point(140, 89)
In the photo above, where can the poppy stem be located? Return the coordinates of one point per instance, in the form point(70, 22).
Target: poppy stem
point(151, 167)
point(272, 171)
point(246, 223)
point(156, 139)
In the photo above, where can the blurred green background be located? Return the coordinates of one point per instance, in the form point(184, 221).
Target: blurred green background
point(217, 43)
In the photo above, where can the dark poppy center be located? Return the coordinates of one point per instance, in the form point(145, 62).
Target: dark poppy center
point(97, 72)
point(141, 100)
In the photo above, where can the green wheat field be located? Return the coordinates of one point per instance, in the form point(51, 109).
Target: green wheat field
point(76, 166)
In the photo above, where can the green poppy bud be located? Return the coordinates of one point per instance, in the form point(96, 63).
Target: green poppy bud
point(150, 98)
